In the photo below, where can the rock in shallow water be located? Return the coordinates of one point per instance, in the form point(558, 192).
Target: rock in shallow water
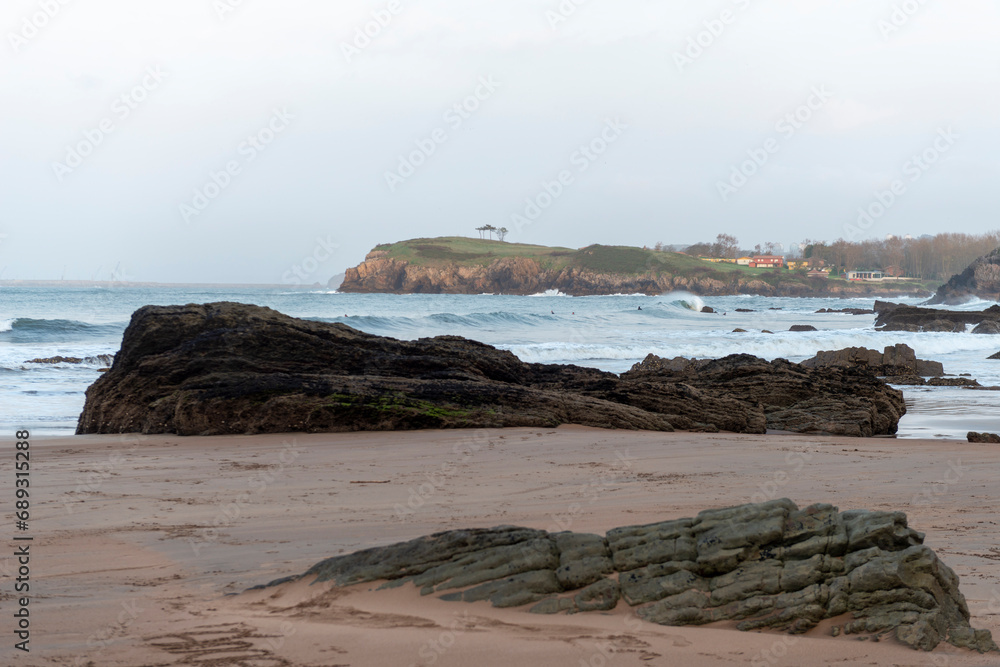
point(983, 438)
point(767, 565)
point(227, 368)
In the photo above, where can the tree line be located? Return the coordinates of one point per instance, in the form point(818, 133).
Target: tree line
point(925, 258)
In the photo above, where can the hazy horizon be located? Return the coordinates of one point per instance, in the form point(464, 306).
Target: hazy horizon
point(235, 141)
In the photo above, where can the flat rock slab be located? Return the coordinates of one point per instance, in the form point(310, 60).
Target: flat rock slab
point(767, 565)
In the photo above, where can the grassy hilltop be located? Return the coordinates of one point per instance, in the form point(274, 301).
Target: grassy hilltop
point(455, 265)
point(621, 260)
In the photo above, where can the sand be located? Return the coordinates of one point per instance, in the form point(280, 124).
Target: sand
point(143, 544)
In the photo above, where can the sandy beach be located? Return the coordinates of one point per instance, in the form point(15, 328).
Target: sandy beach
point(143, 545)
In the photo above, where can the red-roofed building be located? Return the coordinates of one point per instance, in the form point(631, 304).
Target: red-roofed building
point(767, 261)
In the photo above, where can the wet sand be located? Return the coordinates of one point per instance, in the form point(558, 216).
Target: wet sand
point(142, 543)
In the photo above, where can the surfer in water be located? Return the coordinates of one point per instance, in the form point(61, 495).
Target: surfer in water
point(640, 307)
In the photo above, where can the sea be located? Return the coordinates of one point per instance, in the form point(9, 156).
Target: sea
point(607, 332)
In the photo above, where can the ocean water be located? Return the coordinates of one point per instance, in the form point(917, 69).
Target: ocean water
point(606, 332)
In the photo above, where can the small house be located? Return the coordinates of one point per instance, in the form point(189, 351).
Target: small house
point(767, 262)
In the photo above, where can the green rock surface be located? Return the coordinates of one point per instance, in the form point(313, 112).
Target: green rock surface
point(769, 565)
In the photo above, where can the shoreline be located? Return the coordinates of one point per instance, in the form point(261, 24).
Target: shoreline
point(174, 525)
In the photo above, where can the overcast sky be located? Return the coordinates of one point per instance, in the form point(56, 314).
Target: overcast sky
point(233, 140)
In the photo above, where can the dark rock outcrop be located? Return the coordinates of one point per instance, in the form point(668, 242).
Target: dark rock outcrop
point(990, 327)
point(56, 360)
point(227, 368)
point(768, 565)
point(104, 359)
point(900, 317)
point(803, 327)
point(778, 394)
point(896, 360)
point(995, 356)
point(981, 279)
point(983, 438)
point(953, 382)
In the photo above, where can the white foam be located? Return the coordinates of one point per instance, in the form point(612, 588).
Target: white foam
point(6, 325)
point(550, 292)
point(788, 345)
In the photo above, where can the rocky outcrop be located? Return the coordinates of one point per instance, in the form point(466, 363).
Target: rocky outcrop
point(900, 317)
point(981, 279)
point(103, 359)
point(895, 361)
point(983, 438)
point(995, 356)
point(524, 275)
point(989, 327)
point(227, 368)
point(802, 327)
point(775, 395)
point(768, 565)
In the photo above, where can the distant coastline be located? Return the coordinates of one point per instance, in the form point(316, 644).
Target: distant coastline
point(459, 265)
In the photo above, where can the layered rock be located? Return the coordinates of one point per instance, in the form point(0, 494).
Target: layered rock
point(227, 368)
point(900, 317)
point(776, 395)
point(896, 360)
point(768, 565)
point(981, 279)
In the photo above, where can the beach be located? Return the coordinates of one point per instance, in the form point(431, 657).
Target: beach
point(144, 545)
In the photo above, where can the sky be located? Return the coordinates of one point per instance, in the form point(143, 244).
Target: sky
point(278, 141)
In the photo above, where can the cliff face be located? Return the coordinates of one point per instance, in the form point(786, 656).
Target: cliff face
point(523, 275)
point(981, 279)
